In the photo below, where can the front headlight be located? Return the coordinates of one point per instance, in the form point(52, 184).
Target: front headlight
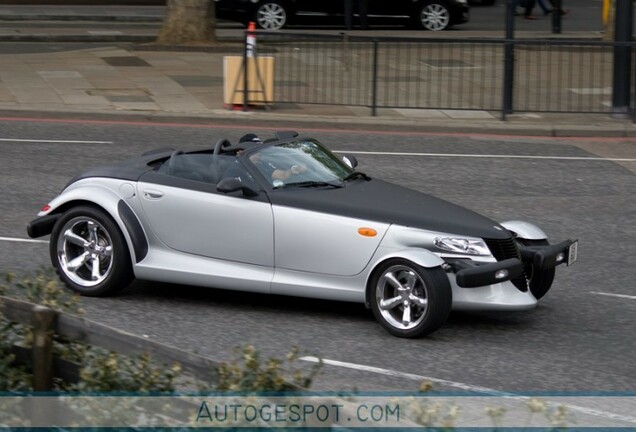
point(469, 246)
point(462, 1)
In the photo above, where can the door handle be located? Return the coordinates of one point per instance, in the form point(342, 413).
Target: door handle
point(153, 194)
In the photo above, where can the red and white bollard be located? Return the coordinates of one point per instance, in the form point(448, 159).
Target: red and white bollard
point(250, 39)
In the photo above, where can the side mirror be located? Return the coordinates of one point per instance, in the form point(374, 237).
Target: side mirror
point(232, 184)
point(350, 160)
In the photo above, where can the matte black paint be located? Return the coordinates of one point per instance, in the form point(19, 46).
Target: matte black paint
point(130, 169)
point(380, 201)
point(373, 200)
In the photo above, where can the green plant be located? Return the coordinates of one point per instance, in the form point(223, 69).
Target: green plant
point(496, 414)
point(12, 377)
point(43, 288)
point(251, 373)
point(101, 371)
point(107, 372)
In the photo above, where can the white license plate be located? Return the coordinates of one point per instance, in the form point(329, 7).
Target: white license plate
point(573, 252)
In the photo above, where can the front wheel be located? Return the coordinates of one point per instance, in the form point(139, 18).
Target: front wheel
point(433, 15)
point(271, 15)
point(539, 281)
point(408, 300)
point(89, 252)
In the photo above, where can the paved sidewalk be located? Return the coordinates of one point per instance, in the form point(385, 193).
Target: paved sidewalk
point(127, 79)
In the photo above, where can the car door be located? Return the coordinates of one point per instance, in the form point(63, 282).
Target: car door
point(192, 217)
point(319, 7)
point(324, 243)
point(396, 8)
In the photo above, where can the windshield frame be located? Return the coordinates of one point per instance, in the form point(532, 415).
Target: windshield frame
point(321, 165)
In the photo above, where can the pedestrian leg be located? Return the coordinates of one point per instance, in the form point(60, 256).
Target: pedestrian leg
point(546, 10)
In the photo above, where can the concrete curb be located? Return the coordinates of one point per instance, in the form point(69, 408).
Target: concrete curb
point(77, 38)
point(82, 17)
point(254, 119)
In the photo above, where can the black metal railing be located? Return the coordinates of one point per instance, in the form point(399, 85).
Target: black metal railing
point(559, 76)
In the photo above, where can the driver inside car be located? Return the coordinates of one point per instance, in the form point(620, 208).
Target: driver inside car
point(268, 168)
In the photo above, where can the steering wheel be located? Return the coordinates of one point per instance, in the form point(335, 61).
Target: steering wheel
point(218, 147)
point(171, 163)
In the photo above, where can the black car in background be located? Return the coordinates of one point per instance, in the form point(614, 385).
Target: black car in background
point(276, 14)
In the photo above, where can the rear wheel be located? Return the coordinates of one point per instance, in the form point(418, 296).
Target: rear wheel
point(433, 15)
point(89, 252)
point(409, 300)
point(539, 281)
point(271, 15)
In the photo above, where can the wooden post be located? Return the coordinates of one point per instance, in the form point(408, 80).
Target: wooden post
point(43, 322)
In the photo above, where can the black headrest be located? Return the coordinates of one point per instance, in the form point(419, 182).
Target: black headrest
point(250, 137)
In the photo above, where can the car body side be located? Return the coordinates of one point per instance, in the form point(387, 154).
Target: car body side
point(267, 250)
point(317, 10)
point(287, 216)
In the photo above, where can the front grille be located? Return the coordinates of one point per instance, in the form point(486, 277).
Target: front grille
point(504, 249)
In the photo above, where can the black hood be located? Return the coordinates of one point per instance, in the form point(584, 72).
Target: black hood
point(385, 202)
point(131, 169)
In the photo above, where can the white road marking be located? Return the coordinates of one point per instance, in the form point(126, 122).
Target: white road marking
point(389, 372)
point(487, 156)
point(20, 240)
point(623, 296)
point(53, 141)
point(462, 386)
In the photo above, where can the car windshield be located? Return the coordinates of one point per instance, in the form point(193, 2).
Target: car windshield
point(302, 163)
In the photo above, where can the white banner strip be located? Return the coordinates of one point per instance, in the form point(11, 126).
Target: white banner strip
point(311, 411)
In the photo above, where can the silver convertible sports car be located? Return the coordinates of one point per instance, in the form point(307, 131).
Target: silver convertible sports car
point(287, 216)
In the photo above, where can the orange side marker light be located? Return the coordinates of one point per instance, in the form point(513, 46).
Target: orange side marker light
point(367, 232)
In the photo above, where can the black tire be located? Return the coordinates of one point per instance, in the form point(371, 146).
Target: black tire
point(433, 15)
point(539, 281)
point(92, 239)
point(417, 284)
point(271, 15)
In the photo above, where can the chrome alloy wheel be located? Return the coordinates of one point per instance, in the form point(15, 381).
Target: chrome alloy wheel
point(271, 16)
point(435, 17)
point(402, 297)
point(85, 251)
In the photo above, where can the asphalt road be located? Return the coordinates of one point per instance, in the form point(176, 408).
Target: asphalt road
point(580, 338)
